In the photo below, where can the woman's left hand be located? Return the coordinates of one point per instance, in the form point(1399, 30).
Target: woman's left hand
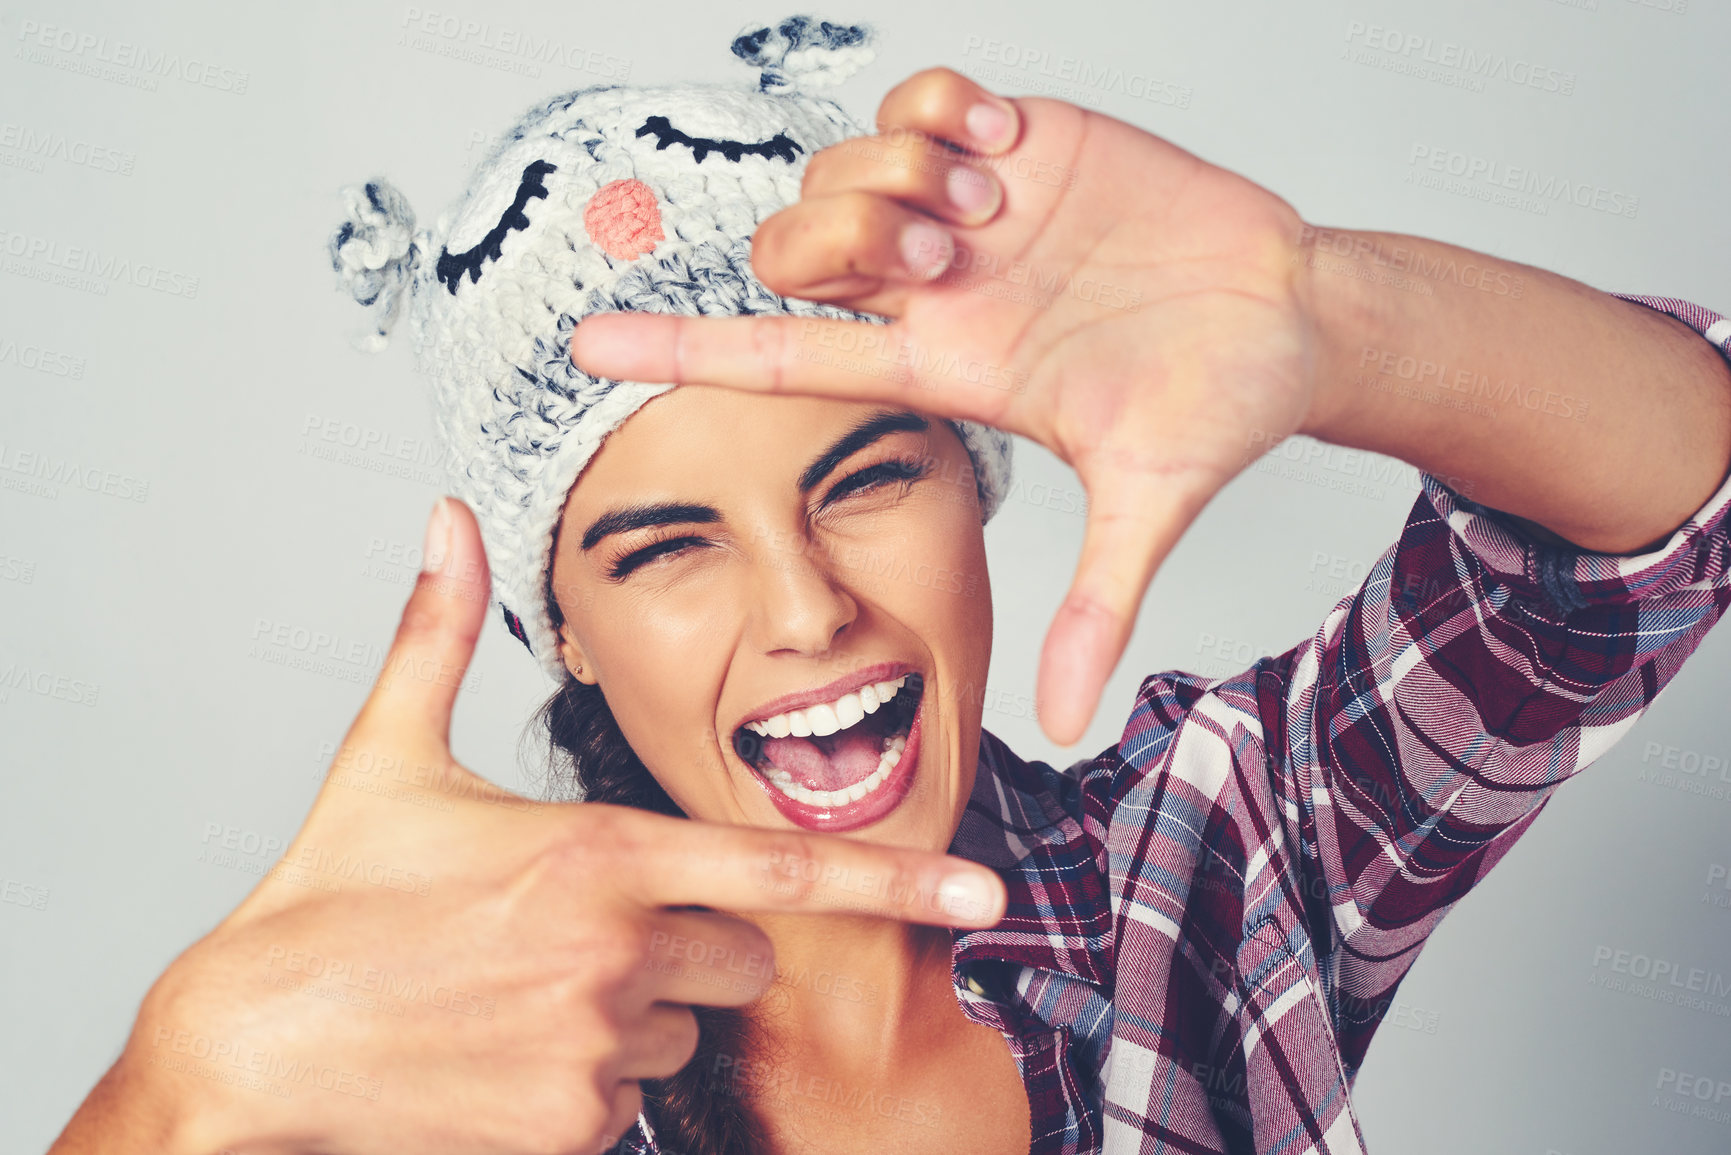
point(1141, 313)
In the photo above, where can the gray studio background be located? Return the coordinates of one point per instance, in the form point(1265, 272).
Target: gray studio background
point(199, 399)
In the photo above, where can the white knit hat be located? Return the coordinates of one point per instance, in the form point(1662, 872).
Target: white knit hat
point(606, 199)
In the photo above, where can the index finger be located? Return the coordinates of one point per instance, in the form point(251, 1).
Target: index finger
point(849, 360)
point(747, 869)
point(424, 668)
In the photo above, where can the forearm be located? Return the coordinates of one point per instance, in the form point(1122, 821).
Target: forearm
point(1599, 420)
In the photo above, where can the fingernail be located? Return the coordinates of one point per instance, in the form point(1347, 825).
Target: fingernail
point(926, 249)
point(436, 551)
point(966, 895)
point(989, 122)
point(970, 189)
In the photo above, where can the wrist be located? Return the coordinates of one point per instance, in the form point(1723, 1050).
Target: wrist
point(168, 1092)
point(1346, 317)
point(133, 1108)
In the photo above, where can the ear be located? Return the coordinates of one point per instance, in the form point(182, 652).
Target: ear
point(572, 655)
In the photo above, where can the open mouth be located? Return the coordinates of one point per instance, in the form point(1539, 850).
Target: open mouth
point(841, 768)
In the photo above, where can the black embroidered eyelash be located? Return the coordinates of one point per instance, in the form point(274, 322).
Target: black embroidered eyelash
point(452, 266)
point(780, 145)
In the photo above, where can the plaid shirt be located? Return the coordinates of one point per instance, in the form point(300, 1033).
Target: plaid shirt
point(1208, 921)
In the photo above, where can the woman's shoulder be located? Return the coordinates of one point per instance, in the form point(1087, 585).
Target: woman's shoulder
point(1196, 730)
point(1165, 704)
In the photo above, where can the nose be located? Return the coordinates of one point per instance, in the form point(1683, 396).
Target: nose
point(798, 603)
point(623, 219)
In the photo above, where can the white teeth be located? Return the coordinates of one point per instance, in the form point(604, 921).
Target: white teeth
point(888, 760)
point(829, 717)
point(823, 719)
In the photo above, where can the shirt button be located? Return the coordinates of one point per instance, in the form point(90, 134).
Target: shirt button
point(974, 985)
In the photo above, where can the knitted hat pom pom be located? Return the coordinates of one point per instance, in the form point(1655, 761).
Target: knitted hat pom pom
point(375, 251)
point(805, 54)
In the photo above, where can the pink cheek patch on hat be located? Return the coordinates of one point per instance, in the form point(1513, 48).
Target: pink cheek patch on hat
point(623, 219)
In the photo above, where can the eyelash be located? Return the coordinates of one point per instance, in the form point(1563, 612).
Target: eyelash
point(906, 469)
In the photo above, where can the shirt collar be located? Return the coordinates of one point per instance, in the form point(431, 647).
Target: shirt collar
point(1022, 821)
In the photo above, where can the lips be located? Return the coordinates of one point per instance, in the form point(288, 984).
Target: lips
point(877, 672)
point(900, 719)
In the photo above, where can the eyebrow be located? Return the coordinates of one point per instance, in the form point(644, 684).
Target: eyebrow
point(868, 430)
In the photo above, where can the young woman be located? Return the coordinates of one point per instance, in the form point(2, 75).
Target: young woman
point(771, 622)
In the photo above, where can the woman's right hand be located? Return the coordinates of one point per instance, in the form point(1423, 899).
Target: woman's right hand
point(447, 967)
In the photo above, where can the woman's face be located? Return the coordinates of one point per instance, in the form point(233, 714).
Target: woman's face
point(725, 551)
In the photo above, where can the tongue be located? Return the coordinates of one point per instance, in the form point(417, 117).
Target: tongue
point(834, 762)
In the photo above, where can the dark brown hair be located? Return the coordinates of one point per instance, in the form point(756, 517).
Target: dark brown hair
point(696, 1111)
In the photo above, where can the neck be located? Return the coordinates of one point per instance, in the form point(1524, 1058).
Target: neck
point(851, 993)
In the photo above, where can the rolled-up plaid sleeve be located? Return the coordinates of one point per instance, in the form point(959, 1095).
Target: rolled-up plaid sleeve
point(1436, 709)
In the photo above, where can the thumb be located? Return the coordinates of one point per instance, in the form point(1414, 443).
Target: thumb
point(417, 686)
point(1134, 521)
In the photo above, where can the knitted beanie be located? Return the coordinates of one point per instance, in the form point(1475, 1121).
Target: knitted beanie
point(604, 199)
